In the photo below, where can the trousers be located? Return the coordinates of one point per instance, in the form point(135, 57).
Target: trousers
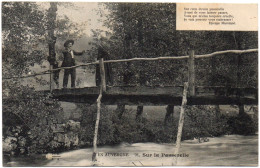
point(72, 73)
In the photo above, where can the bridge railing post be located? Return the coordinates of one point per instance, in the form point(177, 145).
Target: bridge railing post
point(102, 74)
point(191, 73)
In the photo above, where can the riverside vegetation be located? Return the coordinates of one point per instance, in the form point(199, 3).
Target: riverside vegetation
point(200, 122)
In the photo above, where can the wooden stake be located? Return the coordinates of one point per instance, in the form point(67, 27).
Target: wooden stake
point(191, 77)
point(181, 121)
point(241, 109)
point(102, 74)
point(169, 112)
point(94, 155)
point(139, 113)
point(120, 110)
point(217, 110)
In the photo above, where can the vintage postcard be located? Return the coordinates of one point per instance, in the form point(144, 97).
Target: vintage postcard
point(129, 84)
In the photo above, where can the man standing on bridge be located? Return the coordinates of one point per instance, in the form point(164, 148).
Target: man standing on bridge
point(69, 61)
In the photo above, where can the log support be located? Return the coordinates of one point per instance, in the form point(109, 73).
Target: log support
point(169, 114)
point(139, 113)
point(217, 110)
point(120, 110)
point(241, 109)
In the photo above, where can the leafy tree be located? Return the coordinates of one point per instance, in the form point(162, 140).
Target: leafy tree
point(149, 30)
point(25, 43)
point(23, 28)
point(25, 35)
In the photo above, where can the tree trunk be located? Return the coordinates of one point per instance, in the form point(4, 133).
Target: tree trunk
point(51, 27)
point(51, 42)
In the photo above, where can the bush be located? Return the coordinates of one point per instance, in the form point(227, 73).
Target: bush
point(242, 124)
point(202, 121)
point(33, 113)
point(106, 128)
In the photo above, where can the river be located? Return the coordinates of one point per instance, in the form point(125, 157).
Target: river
point(228, 150)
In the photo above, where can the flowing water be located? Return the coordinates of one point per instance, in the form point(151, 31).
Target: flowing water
point(229, 150)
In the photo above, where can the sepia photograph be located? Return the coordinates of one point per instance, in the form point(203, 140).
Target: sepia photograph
point(129, 84)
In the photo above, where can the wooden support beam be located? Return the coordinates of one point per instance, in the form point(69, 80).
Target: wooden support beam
point(102, 74)
point(120, 110)
point(217, 110)
point(139, 113)
point(191, 77)
point(181, 122)
point(169, 113)
point(241, 109)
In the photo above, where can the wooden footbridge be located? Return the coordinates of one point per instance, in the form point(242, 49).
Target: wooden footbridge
point(155, 95)
point(159, 95)
point(188, 94)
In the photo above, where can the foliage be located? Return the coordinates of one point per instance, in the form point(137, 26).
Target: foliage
point(149, 30)
point(203, 121)
point(23, 30)
point(88, 120)
point(25, 42)
point(200, 121)
point(25, 35)
point(242, 125)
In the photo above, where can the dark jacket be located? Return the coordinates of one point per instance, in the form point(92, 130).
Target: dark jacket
point(68, 61)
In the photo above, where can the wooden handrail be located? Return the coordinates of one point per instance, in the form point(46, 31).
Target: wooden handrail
point(140, 59)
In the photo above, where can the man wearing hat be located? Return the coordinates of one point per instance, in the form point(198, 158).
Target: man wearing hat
point(69, 61)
